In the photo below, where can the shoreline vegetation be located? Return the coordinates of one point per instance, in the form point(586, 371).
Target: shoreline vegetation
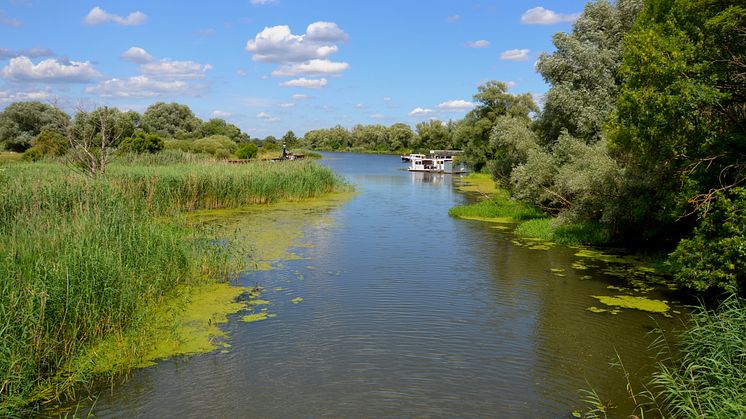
point(96, 261)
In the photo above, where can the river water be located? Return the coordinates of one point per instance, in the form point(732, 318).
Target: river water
point(407, 312)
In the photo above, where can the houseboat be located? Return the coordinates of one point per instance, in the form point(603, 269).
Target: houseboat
point(439, 161)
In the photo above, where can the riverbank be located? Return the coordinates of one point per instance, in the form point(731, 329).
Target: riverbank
point(700, 374)
point(86, 260)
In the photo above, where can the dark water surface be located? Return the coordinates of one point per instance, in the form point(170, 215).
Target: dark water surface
point(407, 312)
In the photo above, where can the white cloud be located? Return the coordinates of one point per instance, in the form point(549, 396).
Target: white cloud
point(221, 114)
point(515, 55)
point(38, 52)
point(311, 68)
point(287, 105)
point(51, 70)
point(421, 112)
point(9, 21)
point(387, 99)
point(9, 97)
point(241, 72)
point(300, 96)
point(360, 106)
point(278, 45)
point(478, 44)
point(137, 55)
point(305, 83)
point(511, 84)
point(458, 105)
point(267, 117)
point(325, 32)
point(262, 2)
point(542, 16)
point(378, 116)
point(182, 70)
point(139, 87)
point(98, 16)
point(453, 18)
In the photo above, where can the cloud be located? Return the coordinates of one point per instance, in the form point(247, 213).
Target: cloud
point(98, 16)
point(378, 116)
point(311, 68)
point(421, 112)
point(169, 69)
point(325, 32)
point(221, 114)
point(387, 99)
point(453, 18)
point(137, 55)
point(278, 45)
point(241, 72)
point(478, 44)
point(300, 96)
point(359, 106)
point(305, 83)
point(511, 84)
point(287, 105)
point(542, 16)
point(9, 97)
point(267, 117)
point(9, 21)
point(140, 87)
point(263, 2)
point(456, 105)
point(22, 69)
point(515, 55)
point(38, 52)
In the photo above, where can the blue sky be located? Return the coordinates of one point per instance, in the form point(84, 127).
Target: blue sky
point(273, 65)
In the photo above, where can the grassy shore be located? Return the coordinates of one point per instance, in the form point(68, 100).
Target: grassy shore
point(83, 259)
point(497, 204)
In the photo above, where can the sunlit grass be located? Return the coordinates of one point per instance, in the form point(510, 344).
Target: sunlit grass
point(81, 259)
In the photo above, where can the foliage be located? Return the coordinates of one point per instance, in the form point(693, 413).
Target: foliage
point(216, 145)
point(289, 139)
point(58, 295)
point(679, 123)
point(217, 126)
point(92, 137)
point(703, 376)
point(21, 122)
point(715, 256)
point(47, 143)
point(499, 205)
point(511, 142)
point(583, 72)
point(142, 142)
point(247, 151)
point(433, 135)
point(171, 120)
point(473, 132)
point(32, 154)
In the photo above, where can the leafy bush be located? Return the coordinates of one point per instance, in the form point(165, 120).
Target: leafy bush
point(32, 154)
point(212, 144)
point(142, 143)
point(247, 151)
point(715, 256)
point(51, 143)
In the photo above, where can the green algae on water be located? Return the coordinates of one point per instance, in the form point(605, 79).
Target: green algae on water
point(255, 317)
point(637, 303)
point(297, 300)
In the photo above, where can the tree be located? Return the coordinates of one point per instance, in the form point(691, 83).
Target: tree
point(289, 139)
point(583, 72)
point(493, 100)
point(400, 136)
point(432, 135)
point(680, 124)
point(21, 122)
point(171, 120)
point(217, 126)
point(92, 136)
point(47, 143)
point(247, 151)
point(142, 142)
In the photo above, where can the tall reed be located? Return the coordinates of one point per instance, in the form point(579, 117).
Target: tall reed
point(82, 258)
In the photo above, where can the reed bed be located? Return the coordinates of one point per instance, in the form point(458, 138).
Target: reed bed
point(82, 258)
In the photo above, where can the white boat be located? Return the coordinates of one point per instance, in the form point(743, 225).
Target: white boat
point(439, 161)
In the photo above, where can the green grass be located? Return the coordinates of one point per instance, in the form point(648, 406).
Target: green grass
point(704, 376)
point(81, 259)
point(500, 205)
point(549, 229)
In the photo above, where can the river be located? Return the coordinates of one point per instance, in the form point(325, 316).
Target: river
point(407, 312)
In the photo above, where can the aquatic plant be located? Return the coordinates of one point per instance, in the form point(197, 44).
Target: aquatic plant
point(82, 259)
